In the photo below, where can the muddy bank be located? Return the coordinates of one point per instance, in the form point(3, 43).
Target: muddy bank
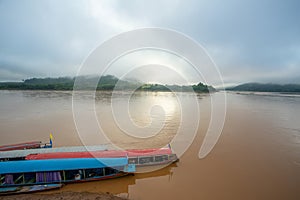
point(63, 195)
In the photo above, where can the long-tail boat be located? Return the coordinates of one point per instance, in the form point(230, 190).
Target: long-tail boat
point(27, 145)
point(24, 145)
point(48, 166)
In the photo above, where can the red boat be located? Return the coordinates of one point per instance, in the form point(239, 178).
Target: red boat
point(21, 146)
point(27, 145)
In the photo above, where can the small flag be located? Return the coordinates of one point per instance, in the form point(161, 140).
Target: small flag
point(51, 138)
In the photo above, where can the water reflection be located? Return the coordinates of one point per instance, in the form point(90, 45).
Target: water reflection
point(47, 94)
point(119, 186)
point(139, 120)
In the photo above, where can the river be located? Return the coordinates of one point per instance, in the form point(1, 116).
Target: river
point(256, 157)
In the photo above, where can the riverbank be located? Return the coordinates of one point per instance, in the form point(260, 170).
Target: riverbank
point(63, 196)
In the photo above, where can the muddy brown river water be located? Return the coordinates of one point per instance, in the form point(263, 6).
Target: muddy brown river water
point(257, 155)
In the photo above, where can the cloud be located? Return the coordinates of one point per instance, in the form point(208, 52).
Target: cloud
point(54, 37)
point(249, 40)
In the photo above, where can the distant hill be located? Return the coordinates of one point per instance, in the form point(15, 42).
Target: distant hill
point(268, 87)
point(107, 82)
point(62, 83)
point(200, 87)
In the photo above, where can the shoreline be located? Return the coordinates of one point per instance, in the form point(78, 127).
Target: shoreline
point(63, 195)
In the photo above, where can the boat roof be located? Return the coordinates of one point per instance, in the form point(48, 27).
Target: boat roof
point(59, 164)
point(101, 154)
point(24, 153)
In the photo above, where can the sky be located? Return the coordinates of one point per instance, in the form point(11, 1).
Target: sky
point(249, 40)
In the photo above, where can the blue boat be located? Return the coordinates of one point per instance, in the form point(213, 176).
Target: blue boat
point(43, 172)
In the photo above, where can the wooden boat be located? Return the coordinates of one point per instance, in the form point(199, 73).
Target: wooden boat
point(41, 172)
point(27, 145)
point(28, 189)
point(20, 146)
point(46, 166)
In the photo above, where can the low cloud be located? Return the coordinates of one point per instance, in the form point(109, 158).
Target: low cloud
point(248, 40)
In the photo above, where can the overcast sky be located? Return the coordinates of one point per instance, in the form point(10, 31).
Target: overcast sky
point(249, 40)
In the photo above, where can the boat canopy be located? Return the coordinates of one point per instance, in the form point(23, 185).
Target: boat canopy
point(59, 164)
point(100, 154)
